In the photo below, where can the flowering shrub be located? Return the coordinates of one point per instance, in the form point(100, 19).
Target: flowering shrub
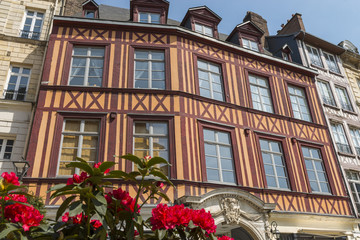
point(90, 212)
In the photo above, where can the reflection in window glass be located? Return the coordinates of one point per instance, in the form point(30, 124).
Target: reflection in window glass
point(260, 93)
point(299, 103)
point(210, 80)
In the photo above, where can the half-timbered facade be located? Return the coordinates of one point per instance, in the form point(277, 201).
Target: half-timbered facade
point(244, 131)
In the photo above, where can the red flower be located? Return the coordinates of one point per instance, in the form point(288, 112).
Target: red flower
point(159, 184)
point(97, 165)
point(125, 202)
point(26, 215)
point(147, 157)
point(224, 238)
point(11, 178)
point(77, 178)
point(164, 217)
point(96, 224)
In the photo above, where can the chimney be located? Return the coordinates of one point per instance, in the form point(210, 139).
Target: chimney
point(295, 24)
point(258, 21)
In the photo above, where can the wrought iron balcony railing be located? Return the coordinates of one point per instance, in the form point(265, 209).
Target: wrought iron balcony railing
point(345, 148)
point(14, 95)
point(29, 34)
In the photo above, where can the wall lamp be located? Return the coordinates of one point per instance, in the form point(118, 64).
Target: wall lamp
point(275, 232)
point(21, 168)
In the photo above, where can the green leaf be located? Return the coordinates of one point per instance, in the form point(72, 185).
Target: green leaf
point(106, 165)
point(164, 196)
point(81, 160)
point(56, 187)
point(9, 228)
point(99, 207)
point(119, 174)
point(161, 175)
point(161, 233)
point(99, 196)
point(156, 160)
point(83, 166)
point(64, 206)
point(75, 208)
point(134, 159)
point(134, 174)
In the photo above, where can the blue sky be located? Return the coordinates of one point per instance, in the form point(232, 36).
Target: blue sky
point(332, 20)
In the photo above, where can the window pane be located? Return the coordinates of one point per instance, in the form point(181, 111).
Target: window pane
point(210, 80)
point(298, 101)
point(274, 165)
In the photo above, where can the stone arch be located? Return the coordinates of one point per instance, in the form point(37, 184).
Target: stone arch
point(234, 208)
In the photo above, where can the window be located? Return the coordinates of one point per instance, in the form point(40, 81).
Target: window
point(326, 93)
point(89, 14)
point(6, 147)
point(314, 56)
point(344, 99)
point(218, 156)
point(331, 62)
point(340, 138)
point(87, 66)
point(17, 84)
point(79, 139)
point(315, 170)
point(355, 135)
point(32, 25)
point(151, 138)
point(273, 159)
point(149, 69)
point(260, 93)
point(285, 56)
point(210, 81)
point(200, 28)
point(299, 103)
point(354, 182)
point(250, 44)
point(145, 17)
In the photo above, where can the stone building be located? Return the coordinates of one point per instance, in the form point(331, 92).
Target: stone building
point(24, 31)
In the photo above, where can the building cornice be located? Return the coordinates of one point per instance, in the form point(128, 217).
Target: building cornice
point(85, 22)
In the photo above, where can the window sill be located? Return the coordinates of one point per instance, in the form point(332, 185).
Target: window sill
point(349, 112)
point(318, 67)
point(336, 73)
point(331, 106)
point(346, 154)
point(223, 183)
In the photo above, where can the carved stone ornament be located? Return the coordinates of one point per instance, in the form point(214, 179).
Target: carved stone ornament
point(233, 213)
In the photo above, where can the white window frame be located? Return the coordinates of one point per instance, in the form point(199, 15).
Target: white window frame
point(88, 57)
point(203, 29)
point(344, 98)
point(354, 180)
point(210, 73)
point(258, 88)
point(340, 138)
point(149, 17)
point(312, 55)
point(331, 63)
point(298, 103)
point(355, 136)
point(326, 93)
point(316, 171)
point(19, 75)
point(217, 144)
point(273, 164)
point(247, 43)
point(151, 136)
point(81, 135)
point(34, 18)
point(150, 70)
point(3, 148)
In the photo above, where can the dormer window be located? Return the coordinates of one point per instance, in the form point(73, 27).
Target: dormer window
point(331, 62)
point(90, 14)
point(90, 9)
point(149, 11)
point(200, 28)
point(146, 17)
point(202, 20)
point(250, 44)
point(247, 35)
point(286, 53)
